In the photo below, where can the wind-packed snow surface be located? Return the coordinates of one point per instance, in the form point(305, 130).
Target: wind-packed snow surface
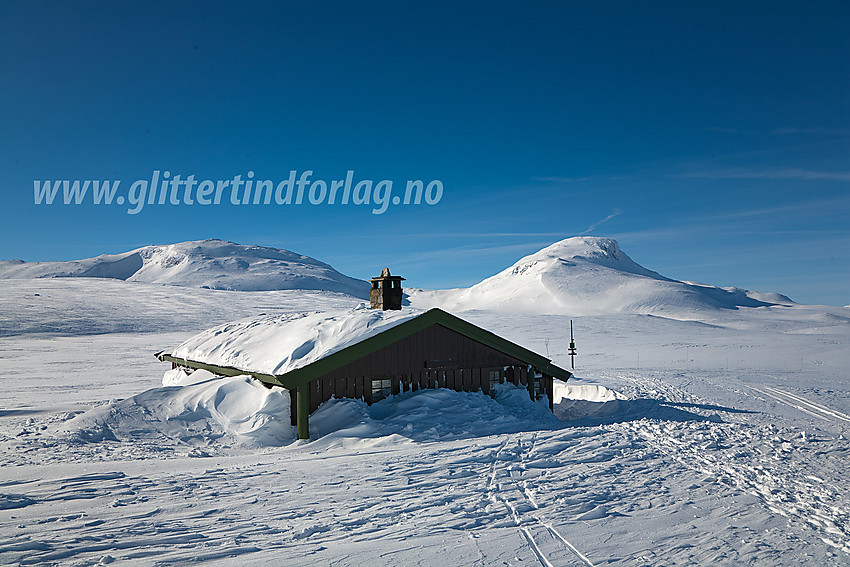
point(716, 439)
point(589, 275)
point(214, 264)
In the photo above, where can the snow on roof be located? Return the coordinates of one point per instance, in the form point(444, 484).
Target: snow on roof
point(277, 344)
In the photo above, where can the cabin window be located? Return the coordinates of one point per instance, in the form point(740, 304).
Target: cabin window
point(381, 388)
point(536, 383)
point(496, 378)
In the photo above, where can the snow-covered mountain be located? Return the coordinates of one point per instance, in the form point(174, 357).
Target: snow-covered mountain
point(585, 276)
point(577, 276)
point(214, 264)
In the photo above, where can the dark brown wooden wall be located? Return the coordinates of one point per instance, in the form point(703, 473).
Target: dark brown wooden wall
point(431, 358)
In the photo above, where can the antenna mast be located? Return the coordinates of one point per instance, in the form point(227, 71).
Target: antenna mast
point(572, 350)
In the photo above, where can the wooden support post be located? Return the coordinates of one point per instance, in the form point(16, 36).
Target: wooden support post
point(293, 408)
point(531, 381)
point(303, 411)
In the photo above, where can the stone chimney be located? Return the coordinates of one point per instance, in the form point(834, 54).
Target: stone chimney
point(386, 291)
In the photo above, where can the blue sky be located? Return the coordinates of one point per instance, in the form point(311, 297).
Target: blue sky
point(712, 139)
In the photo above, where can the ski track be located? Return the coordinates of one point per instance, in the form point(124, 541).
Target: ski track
point(554, 490)
point(813, 409)
point(514, 485)
point(527, 483)
point(185, 517)
point(767, 462)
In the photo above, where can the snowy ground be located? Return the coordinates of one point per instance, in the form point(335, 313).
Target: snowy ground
point(719, 441)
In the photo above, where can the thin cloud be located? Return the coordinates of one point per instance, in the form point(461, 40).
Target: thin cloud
point(438, 256)
point(804, 207)
point(556, 179)
point(778, 173)
point(699, 227)
point(723, 130)
point(778, 131)
point(606, 219)
point(418, 236)
point(508, 254)
point(562, 179)
point(825, 131)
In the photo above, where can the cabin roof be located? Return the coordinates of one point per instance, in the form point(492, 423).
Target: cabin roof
point(291, 349)
point(277, 344)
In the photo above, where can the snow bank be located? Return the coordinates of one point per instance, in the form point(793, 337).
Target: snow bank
point(585, 392)
point(225, 411)
point(180, 377)
point(575, 401)
point(276, 344)
point(432, 415)
point(209, 414)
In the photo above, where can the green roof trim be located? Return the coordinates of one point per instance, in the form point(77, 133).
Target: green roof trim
point(220, 370)
point(302, 376)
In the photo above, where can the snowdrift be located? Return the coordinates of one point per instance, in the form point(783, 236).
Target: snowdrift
point(432, 415)
point(577, 401)
point(206, 411)
point(590, 276)
point(206, 414)
point(214, 264)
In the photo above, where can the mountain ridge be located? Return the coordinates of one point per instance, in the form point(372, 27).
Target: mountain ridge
point(211, 263)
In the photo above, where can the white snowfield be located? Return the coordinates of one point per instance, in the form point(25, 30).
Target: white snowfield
point(720, 438)
point(214, 264)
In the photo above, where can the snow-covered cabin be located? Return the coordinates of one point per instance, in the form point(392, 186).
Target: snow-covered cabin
point(364, 353)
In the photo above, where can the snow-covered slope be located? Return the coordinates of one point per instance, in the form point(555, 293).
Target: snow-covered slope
point(589, 275)
point(675, 443)
point(214, 264)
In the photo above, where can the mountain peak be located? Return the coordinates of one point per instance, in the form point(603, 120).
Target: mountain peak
point(588, 275)
point(584, 247)
point(582, 251)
